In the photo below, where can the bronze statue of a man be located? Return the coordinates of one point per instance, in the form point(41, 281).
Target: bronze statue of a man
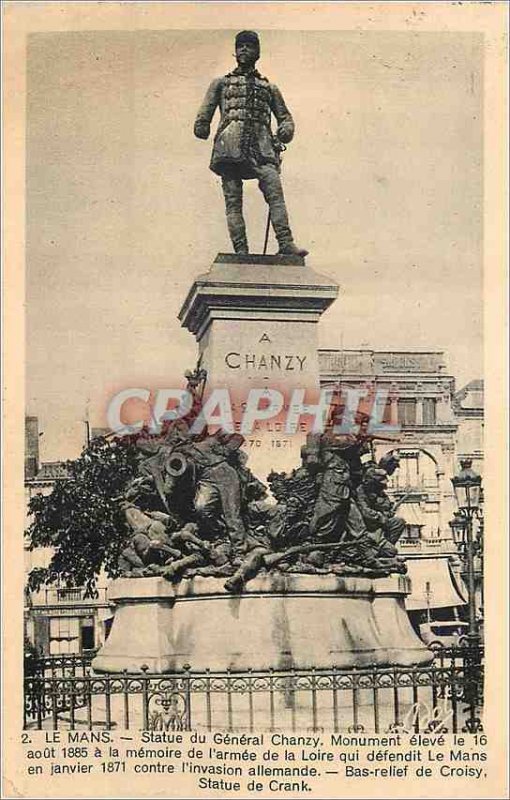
point(244, 145)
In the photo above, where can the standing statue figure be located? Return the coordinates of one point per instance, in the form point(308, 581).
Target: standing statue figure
point(244, 145)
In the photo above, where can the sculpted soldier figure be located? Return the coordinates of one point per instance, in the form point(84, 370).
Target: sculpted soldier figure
point(217, 500)
point(376, 508)
point(149, 543)
point(244, 146)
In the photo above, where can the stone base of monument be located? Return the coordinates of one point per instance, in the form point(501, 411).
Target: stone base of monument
point(281, 621)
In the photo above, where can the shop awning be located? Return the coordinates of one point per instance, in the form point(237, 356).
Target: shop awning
point(433, 584)
point(104, 613)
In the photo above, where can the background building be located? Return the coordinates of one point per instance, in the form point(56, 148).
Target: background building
point(468, 405)
point(58, 619)
point(437, 426)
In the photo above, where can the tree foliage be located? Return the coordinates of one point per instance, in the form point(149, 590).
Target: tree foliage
point(81, 518)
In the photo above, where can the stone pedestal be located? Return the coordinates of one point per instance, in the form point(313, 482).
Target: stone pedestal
point(280, 622)
point(255, 320)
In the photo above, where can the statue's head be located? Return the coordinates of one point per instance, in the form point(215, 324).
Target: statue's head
point(310, 458)
point(376, 479)
point(390, 461)
point(247, 48)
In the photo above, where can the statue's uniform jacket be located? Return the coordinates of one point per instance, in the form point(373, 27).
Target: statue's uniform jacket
point(244, 138)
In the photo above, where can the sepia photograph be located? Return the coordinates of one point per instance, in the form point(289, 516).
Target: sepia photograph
point(258, 440)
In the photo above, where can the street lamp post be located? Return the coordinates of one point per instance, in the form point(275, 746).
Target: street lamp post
point(480, 545)
point(467, 486)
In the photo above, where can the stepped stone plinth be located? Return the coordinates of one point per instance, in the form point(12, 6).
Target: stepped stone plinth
point(281, 621)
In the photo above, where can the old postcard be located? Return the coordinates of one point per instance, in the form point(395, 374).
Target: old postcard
point(254, 406)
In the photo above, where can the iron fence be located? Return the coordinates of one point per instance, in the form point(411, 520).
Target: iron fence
point(445, 696)
point(59, 666)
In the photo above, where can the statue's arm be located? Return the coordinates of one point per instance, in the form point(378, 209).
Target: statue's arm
point(367, 512)
point(283, 116)
point(389, 508)
point(140, 544)
point(160, 516)
point(206, 111)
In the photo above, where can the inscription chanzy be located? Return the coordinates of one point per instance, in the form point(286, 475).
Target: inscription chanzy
point(268, 361)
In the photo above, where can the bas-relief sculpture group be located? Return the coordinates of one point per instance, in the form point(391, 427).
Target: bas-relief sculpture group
point(195, 508)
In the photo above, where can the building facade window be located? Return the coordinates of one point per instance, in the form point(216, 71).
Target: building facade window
point(71, 635)
point(64, 635)
point(87, 634)
point(407, 412)
point(412, 533)
point(386, 414)
point(429, 411)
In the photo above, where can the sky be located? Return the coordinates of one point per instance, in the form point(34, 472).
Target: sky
point(383, 183)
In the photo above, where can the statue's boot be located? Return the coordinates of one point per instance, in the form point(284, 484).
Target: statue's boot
point(233, 193)
point(394, 529)
point(271, 187)
point(248, 569)
point(292, 250)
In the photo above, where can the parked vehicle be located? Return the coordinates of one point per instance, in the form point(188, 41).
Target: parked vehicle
point(447, 634)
